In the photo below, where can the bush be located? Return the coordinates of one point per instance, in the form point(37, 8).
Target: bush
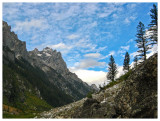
point(120, 79)
point(89, 95)
point(125, 76)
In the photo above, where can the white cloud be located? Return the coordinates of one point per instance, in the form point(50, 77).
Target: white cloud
point(131, 6)
point(125, 47)
point(73, 36)
point(112, 53)
point(115, 16)
point(95, 77)
point(93, 55)
point(131, 40)
point(134, 54)
point(90, 76)
point(94, 24)
point(102, 15)
point(111, 8)
point(153, 50)
point(128, 20)
point(30, 25)
point(63, 48)
point(34, 39)
point(64, 11)
point(120, 71)
point(101, 49)
point(88, 63)
point(90, 8)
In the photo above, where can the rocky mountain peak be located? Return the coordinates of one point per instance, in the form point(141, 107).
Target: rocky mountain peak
point(94, 87)
point(47, 61)
point(11, 40)
point(47, 49)
point(35, 51)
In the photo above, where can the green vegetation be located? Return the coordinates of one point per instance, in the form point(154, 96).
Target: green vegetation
point(120, 79)
point(21, 115)
point(37, 79)
point(21, 82)
point(142, 42)
point(112, 69)
point(89, 95)
point(126, 62)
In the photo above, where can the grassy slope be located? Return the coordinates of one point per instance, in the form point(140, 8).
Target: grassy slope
point(120, 79)
point(13, 107)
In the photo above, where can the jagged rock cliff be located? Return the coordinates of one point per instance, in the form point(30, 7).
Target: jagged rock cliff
point(138, 96)
point(11, 41)
point(135, 97)
point(47, 66)
point(50, 61)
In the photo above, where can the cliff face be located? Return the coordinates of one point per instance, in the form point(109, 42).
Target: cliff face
point(47, 66)
point(52, 63)
point(11, 41)
point(135, 97)
point(138, 96)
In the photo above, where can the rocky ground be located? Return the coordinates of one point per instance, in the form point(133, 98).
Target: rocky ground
point(64, 111)
point(135, 97)
point(68, 111)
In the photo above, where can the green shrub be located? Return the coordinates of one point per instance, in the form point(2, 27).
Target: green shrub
point(120, 79)
point(89, 95)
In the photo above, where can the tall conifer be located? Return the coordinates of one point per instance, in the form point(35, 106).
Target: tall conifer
point(142, 42)
point(112, 69)
point(126, 62)
point(153, 26)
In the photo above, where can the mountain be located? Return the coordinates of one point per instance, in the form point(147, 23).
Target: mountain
point(95, 88)
point(133, 95)
point(37, 80)
point(52, 63)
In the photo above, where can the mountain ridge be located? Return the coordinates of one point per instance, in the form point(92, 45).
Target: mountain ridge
point(134, 97)
point(55, 80)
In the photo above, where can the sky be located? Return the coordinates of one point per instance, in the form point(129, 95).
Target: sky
point(85, 33)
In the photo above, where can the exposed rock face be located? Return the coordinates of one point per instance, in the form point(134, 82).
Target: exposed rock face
point(11, 40)
point(134, 98)
point(138, 96)
point(8, 54)
point(51, 62)
point(94, 87)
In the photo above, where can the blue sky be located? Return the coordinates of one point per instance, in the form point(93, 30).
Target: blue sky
point(85, 33)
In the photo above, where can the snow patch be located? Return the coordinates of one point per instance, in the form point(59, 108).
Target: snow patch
point(39, 54)
point(47, 54)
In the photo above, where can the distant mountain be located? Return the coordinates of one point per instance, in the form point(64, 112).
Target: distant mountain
point(39, 75)
point(52, 63)
point(95, 88)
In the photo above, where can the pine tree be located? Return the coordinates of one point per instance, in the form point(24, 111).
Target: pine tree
point(126, 62)
point(154, 15)
point(135, 61)
point(112, 69)
point(153, 25)
point(141, 41)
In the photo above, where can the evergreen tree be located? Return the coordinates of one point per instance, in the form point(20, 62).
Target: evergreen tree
point(153, 25)
point(126, 62)
point(135, 61)
point(141, 41)
point(154, 15)
point(112, 69)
